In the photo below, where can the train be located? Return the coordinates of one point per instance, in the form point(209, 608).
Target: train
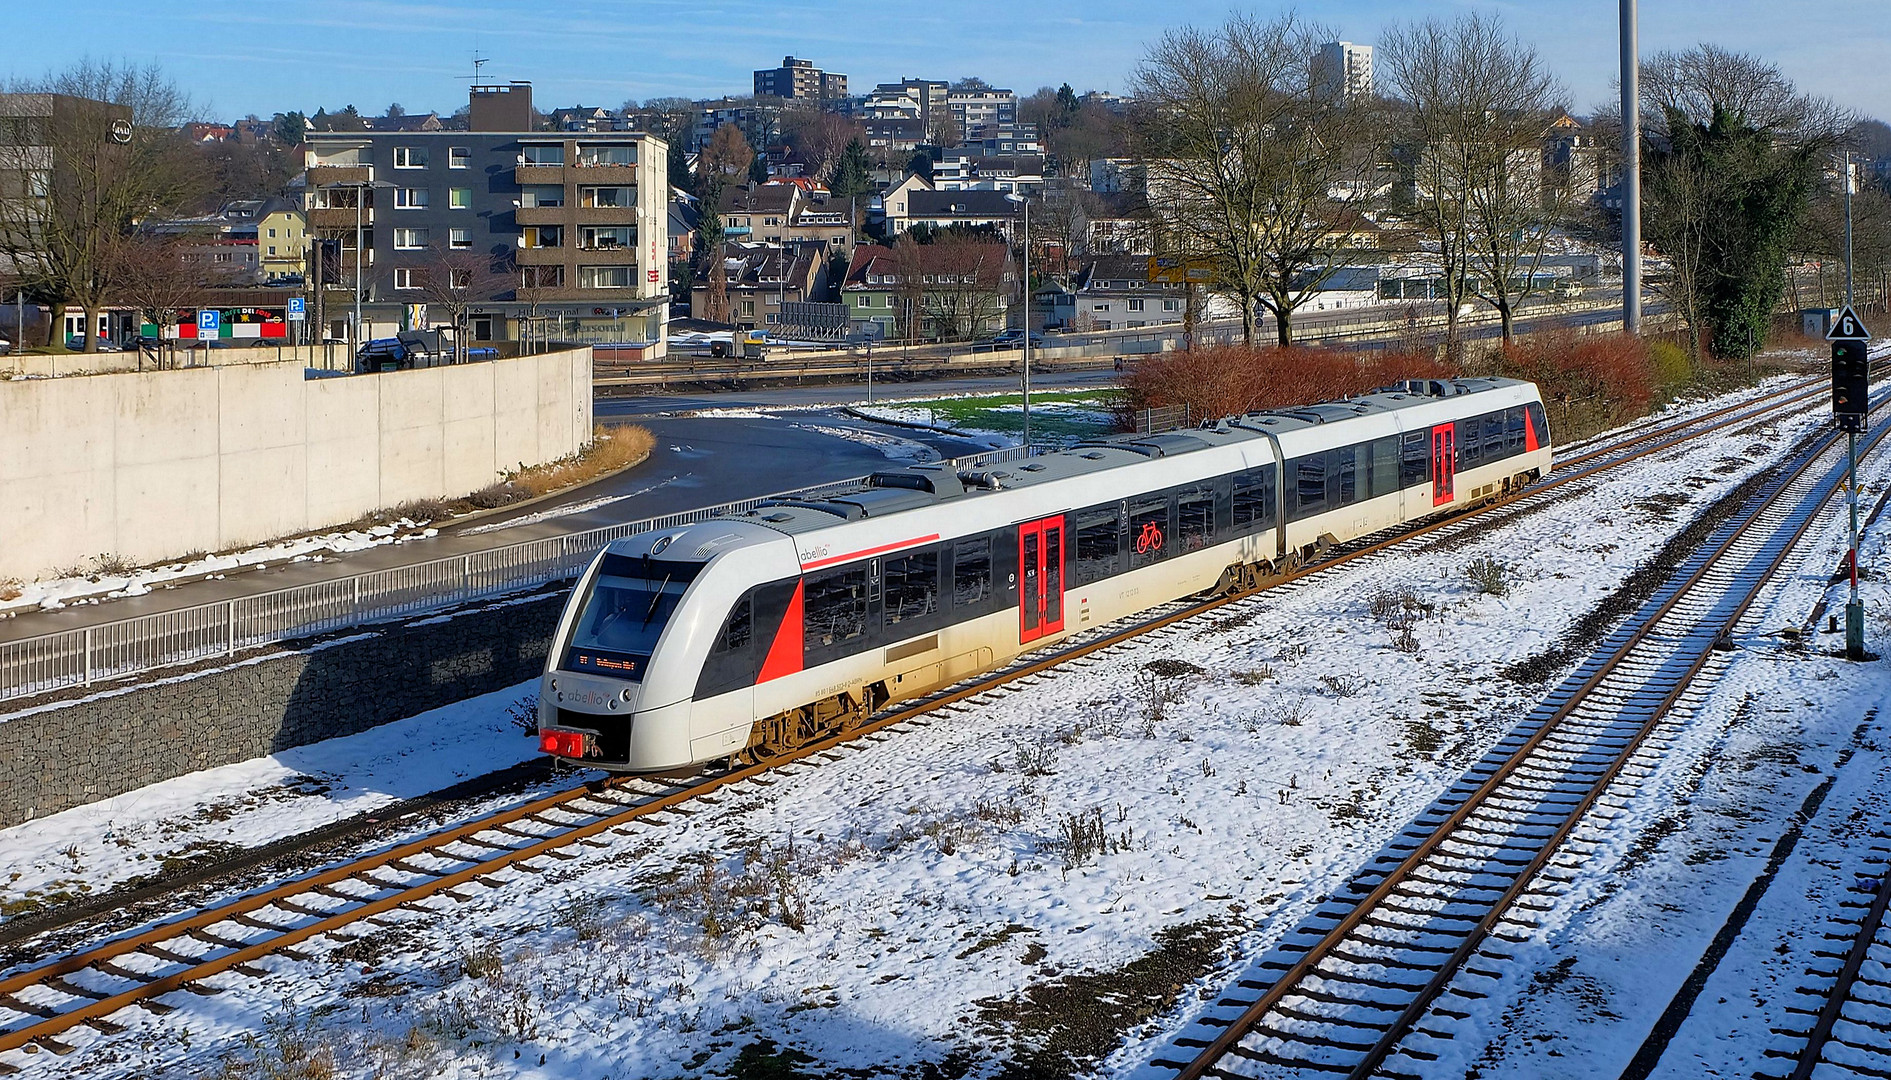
point(745, 636)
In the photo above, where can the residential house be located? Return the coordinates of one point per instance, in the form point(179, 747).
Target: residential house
point(788, 212)
point(1116, 292)
point(800, 80)
point(944, 209)
point(229, 245)
point(760, 279)
point(577, 222)
point(1006, 138)
point(942, 291)
point(960, 170)
point(1119, 223)
point(1344, 289)
point(580, 118)
point(282, 241)
point(406, 122)
point(209, 133)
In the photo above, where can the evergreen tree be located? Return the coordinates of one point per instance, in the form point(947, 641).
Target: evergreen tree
point(758, 170)
point(853, 173)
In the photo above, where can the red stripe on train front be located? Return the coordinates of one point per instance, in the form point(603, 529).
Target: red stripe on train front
point(784, 654)
point(881, 550)
point(1530, 442)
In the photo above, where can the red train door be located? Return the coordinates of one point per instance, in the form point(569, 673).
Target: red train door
point(1041, 578)
point(1444, 462)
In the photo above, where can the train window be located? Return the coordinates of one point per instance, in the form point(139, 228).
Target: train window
point(1148, 530)
point(912, 586)
point(1343, 464)
point(738, 629)
point(1469, 453)
point(1494, 436)
point(1414, 458)
point(971, 571)
point(1195, 518)
point(1099, 538)
point(1513, 431)
point(1540, 422)
point(836, 607)
point(1309, 486)
point(621, 620)
point(1253, 500)
point(1383, 474)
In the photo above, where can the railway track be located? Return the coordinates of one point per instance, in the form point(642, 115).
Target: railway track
point(42, 1003)
point(1348, 993)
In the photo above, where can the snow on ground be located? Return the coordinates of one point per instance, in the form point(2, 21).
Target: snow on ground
point(908, 901)
point(78, 587)
point(248, 804)
point(892, 446)
point(1661, 879)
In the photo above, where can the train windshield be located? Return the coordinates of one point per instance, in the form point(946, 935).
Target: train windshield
point(624, 614)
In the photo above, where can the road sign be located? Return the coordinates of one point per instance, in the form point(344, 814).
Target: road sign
point(209, 321)
point(1181, 271)
point(296, 311)
point(1848, 327)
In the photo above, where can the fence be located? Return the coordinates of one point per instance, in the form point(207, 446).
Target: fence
point(81, 657)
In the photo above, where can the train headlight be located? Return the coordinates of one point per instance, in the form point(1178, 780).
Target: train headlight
point(624, 694)
point(554, 684)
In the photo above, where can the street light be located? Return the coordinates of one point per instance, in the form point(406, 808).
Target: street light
point(358, 186)
point(1017, 198)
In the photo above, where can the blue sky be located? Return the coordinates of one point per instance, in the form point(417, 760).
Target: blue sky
point(241, 58)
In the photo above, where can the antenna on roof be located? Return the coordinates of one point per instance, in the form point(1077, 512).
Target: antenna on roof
point(478, 62)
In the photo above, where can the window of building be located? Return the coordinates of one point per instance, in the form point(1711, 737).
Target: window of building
point(410, 198)
point(409, 277)
point(604, 277)
point(835, 607)
point(460, 198)
point(1171, 305)
point(460, 239)
point(543, 153)
point(410, 157)
point(542, 277)
point(1136, 304)
point(543, 236)
point(532, 196)
point(409, 239)
point(863, 301)
point(971, 572)
point(459, 157)
point(272, 234)
point(606, 238)
point(911, 588)
point(616, 154)
point(272, 249)
point(1098, 538)
point(604, 197)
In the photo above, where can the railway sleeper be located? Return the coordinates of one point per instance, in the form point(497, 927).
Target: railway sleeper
point(1266, 1057)
point(1266, 1030)
point(27, 1008)
point(1408, 946)
point(1371, 981)
point(1384, 923)
point(1339, 999)
point(104, 1026)
point(1334, 1021)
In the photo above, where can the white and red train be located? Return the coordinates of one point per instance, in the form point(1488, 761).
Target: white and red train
point(748, 635)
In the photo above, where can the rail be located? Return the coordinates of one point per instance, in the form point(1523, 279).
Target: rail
point(82, 656)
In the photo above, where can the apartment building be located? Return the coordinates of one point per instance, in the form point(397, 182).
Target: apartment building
point(975, 108)
point(570, 228)
point(800, 80)
point(777, 213)
point(1343, 69)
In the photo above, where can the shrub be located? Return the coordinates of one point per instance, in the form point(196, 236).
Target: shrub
point(1672, 367)
point(1590, 382)
point(1227, 380)
point(1343, 686)
point(10, 588)
point(610, 448)
point(109, 563)
point(1488, 575)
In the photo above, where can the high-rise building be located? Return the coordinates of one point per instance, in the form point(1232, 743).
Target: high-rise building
point(1343, 69)
point(561, 225)
point(800, 80)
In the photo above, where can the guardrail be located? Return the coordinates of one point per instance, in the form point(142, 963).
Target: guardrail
point(84, 656)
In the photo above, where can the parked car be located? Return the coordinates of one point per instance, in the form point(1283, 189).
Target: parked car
point(5, 346)
point(1012, 338)
point(76, 343)
point(389, 354)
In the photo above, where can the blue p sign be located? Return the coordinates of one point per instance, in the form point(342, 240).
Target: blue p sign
point(209, 321)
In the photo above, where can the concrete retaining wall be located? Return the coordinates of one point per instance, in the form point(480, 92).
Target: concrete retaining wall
point(66, 753)
point(150, 466)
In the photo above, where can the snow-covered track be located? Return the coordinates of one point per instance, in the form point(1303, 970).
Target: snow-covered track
point(1368, 985)
point(40, 1003)
point(1850, 1034)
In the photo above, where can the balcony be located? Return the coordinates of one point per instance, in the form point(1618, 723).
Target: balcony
point(619, 255)
point(543, 215)
point(320, 175)
point(339, 219)
point(538, 174)
point(607, 297)
point(607, 215)
point(605, 174)
point(543, 256)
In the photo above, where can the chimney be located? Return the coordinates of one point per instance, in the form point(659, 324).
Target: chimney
point(501, 108)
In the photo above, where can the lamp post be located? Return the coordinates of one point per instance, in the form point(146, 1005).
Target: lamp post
point(1017, 198)
point(1631, 170)
point(359, 187)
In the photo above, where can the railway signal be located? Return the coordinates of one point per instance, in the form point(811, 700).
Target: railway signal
point(1851, 393)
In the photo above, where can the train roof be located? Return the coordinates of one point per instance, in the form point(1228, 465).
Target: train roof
point(931, 484)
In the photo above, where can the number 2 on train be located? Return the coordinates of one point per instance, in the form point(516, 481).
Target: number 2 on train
point(1041, 574)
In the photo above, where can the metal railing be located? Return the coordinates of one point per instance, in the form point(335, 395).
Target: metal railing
point(87, 655)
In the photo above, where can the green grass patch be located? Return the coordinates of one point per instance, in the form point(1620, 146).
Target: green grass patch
point(1055, 415)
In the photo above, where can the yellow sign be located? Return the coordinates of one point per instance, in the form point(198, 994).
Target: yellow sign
point(1181, 271)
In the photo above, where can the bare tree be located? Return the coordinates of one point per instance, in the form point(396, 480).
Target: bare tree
point(1696, 82)
point(158, 278)
point(820, 138)
point(456, 280)
point(953, 288)
point(1248, 167)
point(114, 152)
point(1477, 104)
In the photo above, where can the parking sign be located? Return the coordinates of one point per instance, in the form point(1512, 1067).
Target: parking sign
point(209, 321)
point(296, 310)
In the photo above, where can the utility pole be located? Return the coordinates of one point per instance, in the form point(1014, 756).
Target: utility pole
point(1631, 170)
point(1854, 607)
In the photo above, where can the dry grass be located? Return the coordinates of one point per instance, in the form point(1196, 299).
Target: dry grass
point(10, 588)
point(609, 449)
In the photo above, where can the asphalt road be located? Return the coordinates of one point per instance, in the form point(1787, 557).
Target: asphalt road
point(780, 397)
